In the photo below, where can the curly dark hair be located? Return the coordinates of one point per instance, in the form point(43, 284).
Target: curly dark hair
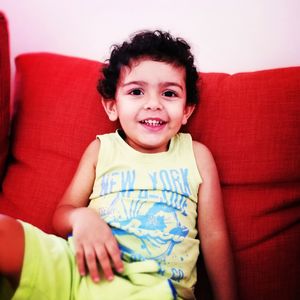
point(156, 45)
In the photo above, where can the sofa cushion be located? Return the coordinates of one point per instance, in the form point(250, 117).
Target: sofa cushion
point(4, 93)
point(58, 112)
point(251, 123)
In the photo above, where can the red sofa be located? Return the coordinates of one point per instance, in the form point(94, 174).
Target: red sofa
point(250, 121)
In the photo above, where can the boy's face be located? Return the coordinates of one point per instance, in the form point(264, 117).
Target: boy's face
point(150, 104)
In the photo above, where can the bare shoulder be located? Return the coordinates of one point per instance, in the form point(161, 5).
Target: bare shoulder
point(202, 153)
point(204, 159)
point(91, 153)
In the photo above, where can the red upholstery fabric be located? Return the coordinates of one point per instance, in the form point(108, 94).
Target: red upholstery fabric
point(4, 93)
point(249, 121)
point(58, 112)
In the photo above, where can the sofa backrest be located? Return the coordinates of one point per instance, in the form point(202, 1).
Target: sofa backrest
point(248, 120)
point(57, 113)
point(4, 93)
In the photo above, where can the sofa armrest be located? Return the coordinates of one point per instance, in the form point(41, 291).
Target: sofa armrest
point(4, 93)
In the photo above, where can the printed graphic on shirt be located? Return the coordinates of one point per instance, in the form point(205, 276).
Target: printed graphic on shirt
point(147, 218)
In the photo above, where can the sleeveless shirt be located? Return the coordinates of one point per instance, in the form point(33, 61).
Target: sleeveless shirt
point(150, 202)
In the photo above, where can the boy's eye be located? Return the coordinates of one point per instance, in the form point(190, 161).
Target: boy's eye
point(169, 94)
point(136, 92)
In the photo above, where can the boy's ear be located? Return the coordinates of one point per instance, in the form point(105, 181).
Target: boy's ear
point(110, 108)
point(187, 113)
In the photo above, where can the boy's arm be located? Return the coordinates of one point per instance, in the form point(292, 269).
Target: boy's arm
point(93, 240)
point(78, 192)
point(212, 228)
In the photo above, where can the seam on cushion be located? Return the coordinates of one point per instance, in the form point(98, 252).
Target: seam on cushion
point(268, 237)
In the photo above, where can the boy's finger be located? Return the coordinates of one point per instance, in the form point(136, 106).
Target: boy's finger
point(115, 254)
point(79, 254)
point(90, 259)
point(104, 262)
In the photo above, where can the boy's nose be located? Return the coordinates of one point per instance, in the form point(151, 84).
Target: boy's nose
point(153, 103)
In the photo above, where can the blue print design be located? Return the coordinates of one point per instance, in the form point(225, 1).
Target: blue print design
point(157, 230)
point(147, 218)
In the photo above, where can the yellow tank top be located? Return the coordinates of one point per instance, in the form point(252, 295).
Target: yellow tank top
point(150, 202)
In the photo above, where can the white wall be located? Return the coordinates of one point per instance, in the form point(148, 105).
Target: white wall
point(226, 35)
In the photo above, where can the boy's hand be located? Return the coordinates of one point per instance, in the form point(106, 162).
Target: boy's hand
point(95, 245)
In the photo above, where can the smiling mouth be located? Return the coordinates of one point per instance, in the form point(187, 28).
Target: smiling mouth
point(152, 122)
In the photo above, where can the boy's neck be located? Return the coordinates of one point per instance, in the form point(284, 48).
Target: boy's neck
point(122, 134)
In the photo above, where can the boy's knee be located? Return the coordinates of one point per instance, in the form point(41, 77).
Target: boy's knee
point(9, 225)
point(12, 246)
point(11, 233)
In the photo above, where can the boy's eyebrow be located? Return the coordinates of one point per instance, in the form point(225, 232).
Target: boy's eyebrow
point(164, 84)
point(134, 82)
point(168, 83)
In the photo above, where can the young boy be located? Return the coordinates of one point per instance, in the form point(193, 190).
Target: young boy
point(137, 197)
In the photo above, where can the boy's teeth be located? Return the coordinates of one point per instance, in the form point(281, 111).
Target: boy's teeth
point(152, 122)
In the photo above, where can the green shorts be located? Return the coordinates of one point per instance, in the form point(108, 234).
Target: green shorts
point(50, 272)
